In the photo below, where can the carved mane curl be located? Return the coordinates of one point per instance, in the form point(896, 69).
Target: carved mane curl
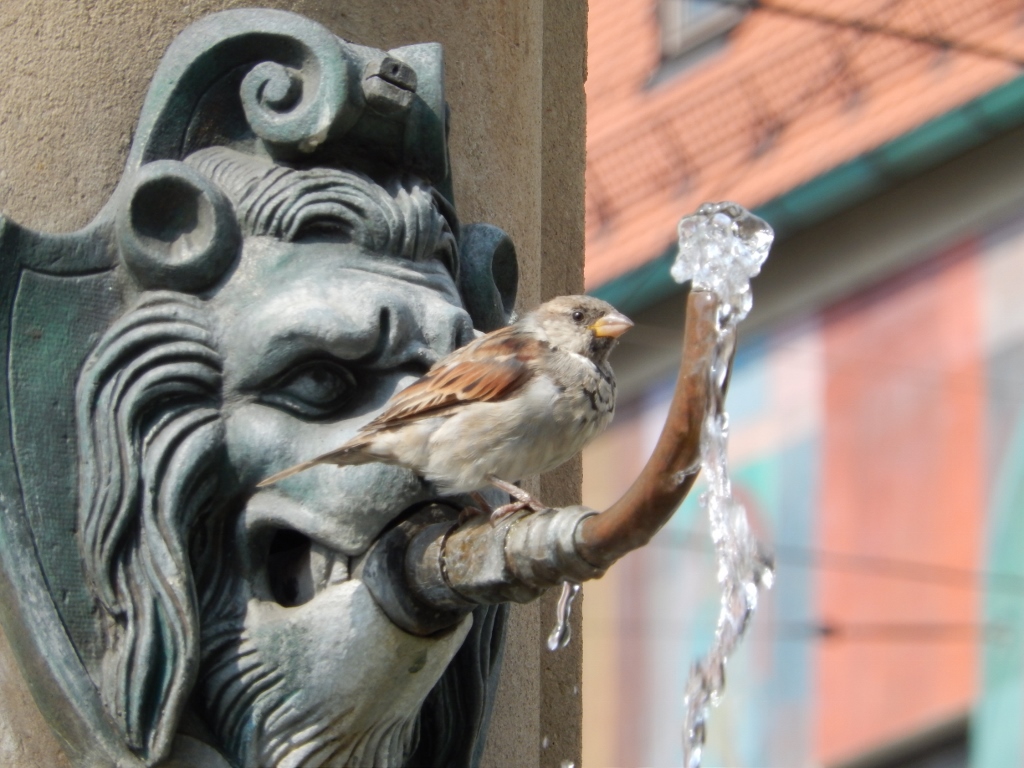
point(405, 218)
point(150, 436)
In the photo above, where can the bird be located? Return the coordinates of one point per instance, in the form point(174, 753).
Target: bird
point(516, 402)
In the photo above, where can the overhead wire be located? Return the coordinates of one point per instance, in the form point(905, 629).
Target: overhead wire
point(861, 25)
point(867, 26)
point(885, 567)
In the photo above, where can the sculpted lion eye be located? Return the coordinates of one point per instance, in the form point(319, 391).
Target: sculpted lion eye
point(314, 389)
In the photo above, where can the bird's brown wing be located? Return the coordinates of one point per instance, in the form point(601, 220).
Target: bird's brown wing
point(491, 368)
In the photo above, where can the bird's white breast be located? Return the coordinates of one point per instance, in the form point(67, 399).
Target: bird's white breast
point(544, 425)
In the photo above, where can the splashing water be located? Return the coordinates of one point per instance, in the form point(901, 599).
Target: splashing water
point(562, 633)
point(720, 248)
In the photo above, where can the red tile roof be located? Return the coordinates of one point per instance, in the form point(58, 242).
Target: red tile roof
point(800, 87)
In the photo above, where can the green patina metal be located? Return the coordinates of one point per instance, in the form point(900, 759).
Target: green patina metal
point(128, 561)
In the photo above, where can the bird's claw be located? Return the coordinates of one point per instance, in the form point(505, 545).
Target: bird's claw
point(516, 506)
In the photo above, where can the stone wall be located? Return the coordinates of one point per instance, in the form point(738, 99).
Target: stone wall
point(75, 77)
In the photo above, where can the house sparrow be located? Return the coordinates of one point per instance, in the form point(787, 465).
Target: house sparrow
point(516, 402)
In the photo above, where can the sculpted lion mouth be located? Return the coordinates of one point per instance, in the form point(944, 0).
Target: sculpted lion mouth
point(299, 568)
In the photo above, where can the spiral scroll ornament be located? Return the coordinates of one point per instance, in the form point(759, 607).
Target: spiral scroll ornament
point(177, 230)
point(310, 90)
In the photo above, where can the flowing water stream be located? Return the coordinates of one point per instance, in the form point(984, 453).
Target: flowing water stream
point(721, 247)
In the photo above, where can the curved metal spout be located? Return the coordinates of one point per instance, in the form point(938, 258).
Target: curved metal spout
point(430, 571)
point(673, 467)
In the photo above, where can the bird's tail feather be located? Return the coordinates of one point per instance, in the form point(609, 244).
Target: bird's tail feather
point(347, 454)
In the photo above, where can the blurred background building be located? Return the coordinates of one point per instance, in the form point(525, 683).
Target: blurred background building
point(877, 400)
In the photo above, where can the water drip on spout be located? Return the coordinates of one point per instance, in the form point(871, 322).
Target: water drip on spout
point(562, 633)
point(720, 248)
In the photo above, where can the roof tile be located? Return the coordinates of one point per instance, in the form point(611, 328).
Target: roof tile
point(800, 87)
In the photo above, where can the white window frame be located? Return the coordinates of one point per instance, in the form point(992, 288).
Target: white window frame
point(679, 37)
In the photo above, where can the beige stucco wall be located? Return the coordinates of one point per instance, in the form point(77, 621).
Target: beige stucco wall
point(75, 74)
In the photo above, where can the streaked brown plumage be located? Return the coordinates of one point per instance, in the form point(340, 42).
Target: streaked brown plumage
point(516, 402)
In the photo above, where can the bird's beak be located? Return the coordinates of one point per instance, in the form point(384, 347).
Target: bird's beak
point(613, 325)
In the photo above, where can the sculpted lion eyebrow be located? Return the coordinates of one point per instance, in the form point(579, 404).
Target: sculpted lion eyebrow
point(383, 344)
point(292, 346)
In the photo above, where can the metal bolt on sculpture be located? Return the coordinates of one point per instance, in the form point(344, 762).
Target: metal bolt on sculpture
point(280, 256)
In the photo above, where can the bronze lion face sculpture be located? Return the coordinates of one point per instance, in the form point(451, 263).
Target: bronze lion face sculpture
point(273, 266)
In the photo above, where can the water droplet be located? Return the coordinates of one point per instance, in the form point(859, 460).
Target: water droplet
point(562, 633)
point(568, 764)
point(545, 743)
point(575, 690)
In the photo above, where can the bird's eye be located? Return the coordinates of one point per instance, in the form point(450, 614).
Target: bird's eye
point(315, 389)
point(577, 315)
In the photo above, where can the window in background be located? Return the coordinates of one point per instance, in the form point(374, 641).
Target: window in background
point(692, 26)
